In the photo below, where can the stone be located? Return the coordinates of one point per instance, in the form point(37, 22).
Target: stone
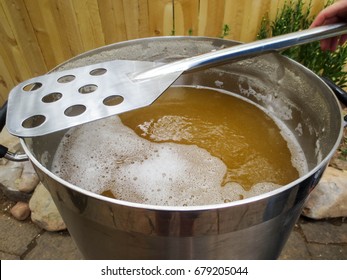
point(9, 173)
point(329, 198)
point(20, 211)
point(44, 213)
point(10, 141)
point(338, 163)
point(28, 179)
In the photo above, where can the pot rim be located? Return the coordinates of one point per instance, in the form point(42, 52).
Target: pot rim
point(188, 208)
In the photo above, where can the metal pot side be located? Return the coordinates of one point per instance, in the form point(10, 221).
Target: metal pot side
point(253, 228)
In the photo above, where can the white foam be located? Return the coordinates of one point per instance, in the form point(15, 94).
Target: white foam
point(139, 170)
point(111, 156)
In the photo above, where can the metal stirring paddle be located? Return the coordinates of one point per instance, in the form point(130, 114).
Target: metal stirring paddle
point(68, 98)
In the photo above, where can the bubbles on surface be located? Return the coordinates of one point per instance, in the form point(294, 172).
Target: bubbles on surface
point(125, 165)
point(139, 170)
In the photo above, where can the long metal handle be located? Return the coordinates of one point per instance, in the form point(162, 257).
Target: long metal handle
point(246, 50)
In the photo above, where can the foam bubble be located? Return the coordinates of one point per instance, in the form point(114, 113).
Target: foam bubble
point(139, 170)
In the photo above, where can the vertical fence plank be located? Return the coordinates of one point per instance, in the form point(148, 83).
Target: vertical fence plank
point(233, 17)
point(160, 13)
point(244, 18)
point(135, 16)
point(112, 20)
point(143, 20)
point(274, 7)
point(186, 18)
point(124, 20)
point(253, 11)
point(131, 14)
point(19, 21)
point(45, 19)
point(69, 25)
point(317, 6)
point(6, 81)
point(89, 23)
point(211, 18)
point(13, 67)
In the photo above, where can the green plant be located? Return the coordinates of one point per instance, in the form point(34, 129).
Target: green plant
point(295, 16)
point(225, 31)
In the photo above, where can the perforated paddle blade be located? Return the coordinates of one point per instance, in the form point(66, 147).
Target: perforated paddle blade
point(68, 98)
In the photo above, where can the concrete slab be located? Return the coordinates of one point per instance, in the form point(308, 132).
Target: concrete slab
point(295, 248)
point(325, 232)
point(16, 236)
point(54, 246)
point(5, 256)
point(330, 252)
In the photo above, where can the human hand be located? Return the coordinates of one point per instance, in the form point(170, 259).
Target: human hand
point(335, 13)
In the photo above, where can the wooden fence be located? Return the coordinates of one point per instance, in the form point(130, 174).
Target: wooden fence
point(37, 35)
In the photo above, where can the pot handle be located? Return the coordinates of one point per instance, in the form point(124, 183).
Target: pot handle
point(4, 152)
point(339, 93)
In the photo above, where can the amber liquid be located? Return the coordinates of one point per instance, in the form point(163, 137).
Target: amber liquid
point(244, 137)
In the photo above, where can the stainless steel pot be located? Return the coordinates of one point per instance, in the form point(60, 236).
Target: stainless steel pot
point(253, 228)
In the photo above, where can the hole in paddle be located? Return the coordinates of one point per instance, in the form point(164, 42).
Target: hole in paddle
point(75, 110)
point(113, 100)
